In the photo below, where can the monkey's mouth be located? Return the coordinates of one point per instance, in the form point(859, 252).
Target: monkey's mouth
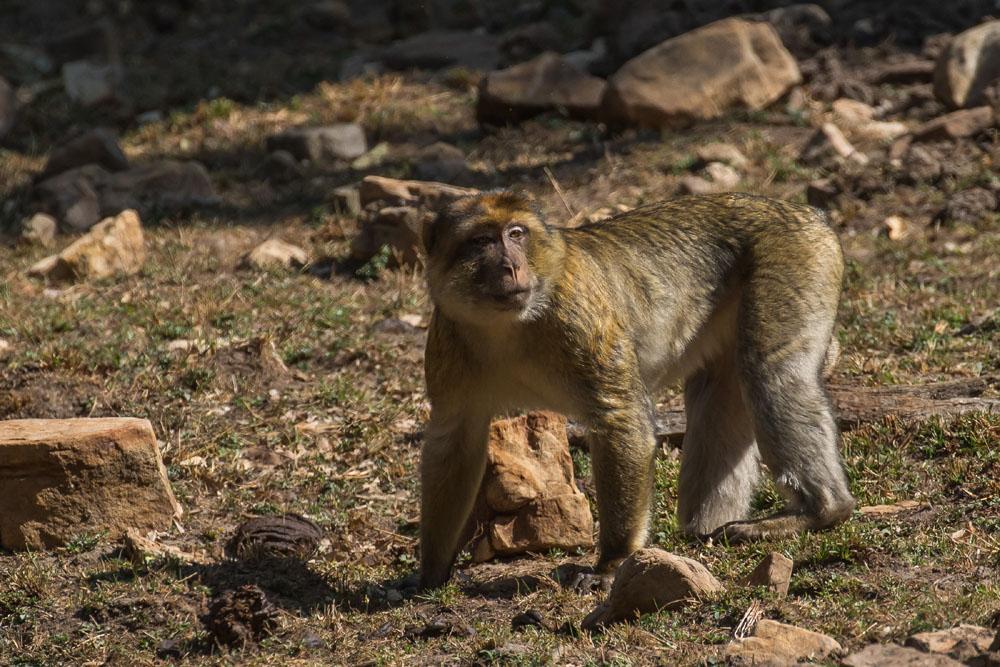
point(512, 298)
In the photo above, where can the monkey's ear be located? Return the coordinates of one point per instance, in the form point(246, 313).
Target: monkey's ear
point(426, 227)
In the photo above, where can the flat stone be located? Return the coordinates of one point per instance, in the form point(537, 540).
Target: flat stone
point(957, 124)
point(65, 477)
point(778, 642)
point(963, 642)
point(880, 655)
point(98, 146)
point(343, 141)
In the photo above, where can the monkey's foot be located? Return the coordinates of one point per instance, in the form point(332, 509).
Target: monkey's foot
point(586, 583)
point(783, 525)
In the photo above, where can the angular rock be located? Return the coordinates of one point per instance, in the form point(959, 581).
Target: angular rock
point(395, 227)
point(541, 84)
point(78, 198)
point(66, 477)
point(113, 246)
point(957, 124)
point(553, 522)
point(968, 65)
point(347, 199)
point(718, 151)
point(650, 580)
point(396, 192)
point(961, 643)
point(276, 254)
point(90, 84)
point(438, 49)
point(774, 642)
point(702, 74)
point(40, 229)
point(878, 655)
point(98, 146)
point(7, 107)
point(442, 162)
point(774, 572)
point(528, 499)
point(343, 141)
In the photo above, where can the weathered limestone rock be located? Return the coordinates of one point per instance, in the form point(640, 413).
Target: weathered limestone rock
point(777, 642)
point(114, 245)
point(650, 580)
point(276, 254)
point(541, 84)
point(774, 572)
point(343, 141)
point(98, 146)
point(879, 655)
point(65, 477)
point(528, 500)
point(968, 65)
point(701, 74)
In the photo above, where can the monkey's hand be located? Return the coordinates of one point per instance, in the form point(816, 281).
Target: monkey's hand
point(780, 525)
point(586, 583)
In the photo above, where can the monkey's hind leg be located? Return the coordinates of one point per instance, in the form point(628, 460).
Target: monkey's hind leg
point(798, 439)
point(719, 460)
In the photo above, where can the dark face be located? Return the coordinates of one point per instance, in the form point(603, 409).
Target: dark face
point(483, 255)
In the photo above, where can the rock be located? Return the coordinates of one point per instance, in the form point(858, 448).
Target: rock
point(285, 536)
point(904, 73)
point(40, 230)
point(544, 83)
point(169, 649)
point(8, 106)
point(528, 500)
point(240, 617)
point(968, 65)
point(821, 192)
point(113, 246)
point(89, 84)
point(957, 124)
point(722, 175)
point(5, 348)
point(827, 140)
point(651, 580)
point(343, 141)
point(397, 192)
point(276, 254)
point(327, 15)
point(282, 165)
point(80, 197)
point(442, 162)
point(98, 146)
point(773, 572)
point(372, 158)
point(530, 618)
point(970, 206)
point(438, 49)
point(347, 200)
point(877, 655)
point(721, 152)
point(859, 120)
point(774, 642)
point(961, 643)
point(920, 165)
point(141, 550)
point(695, 185)
point(701, 74)
point(66, 477)
point(896, 227)
point(395, 227)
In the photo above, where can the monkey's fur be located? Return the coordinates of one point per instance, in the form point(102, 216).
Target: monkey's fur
point(733, 294)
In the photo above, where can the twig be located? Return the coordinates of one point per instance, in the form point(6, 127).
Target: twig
point(559, 190)
point(748, 624)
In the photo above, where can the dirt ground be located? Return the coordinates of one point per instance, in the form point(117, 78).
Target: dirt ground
point(336, 437)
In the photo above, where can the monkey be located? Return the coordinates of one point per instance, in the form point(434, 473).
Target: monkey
point(733, 295)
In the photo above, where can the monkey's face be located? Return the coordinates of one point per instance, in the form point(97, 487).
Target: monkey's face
point(483, 257)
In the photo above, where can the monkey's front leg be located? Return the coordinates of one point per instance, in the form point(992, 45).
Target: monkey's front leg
point(452, 464)
point(622, 450)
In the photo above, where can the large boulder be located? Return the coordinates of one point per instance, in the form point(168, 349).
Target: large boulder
point(541, 84)
point(342, 141)
point(650, 580)
point(729, 64)
point(63, 478)
point(528, 501)
point(968, 65)
point(438, 49)
point(113, 246)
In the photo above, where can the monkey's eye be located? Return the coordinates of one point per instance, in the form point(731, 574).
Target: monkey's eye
point(517, 232)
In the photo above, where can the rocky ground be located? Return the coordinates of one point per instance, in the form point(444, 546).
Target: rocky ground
point(267, 314)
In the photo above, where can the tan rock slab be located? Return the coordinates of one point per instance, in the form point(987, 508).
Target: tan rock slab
point(774, 642)
point(113, 246)
point(880, 655)
point(66, 477)
point(963, 642)
point(774, 572)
